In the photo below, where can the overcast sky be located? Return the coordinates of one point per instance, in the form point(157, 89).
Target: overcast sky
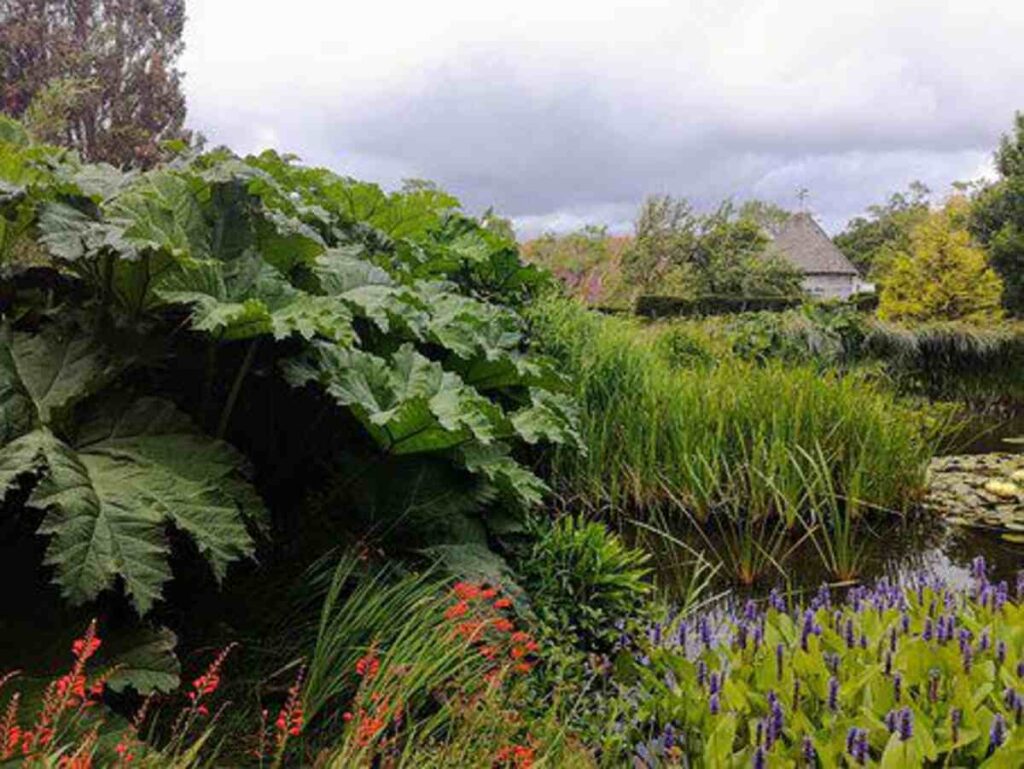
point(565, 113)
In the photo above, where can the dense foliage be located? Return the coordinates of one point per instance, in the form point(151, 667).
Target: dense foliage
point(678, 252)
point(331, 331)
point(943, 275)
point(870, 241)
point(925, 675)
point(670, 425)
point(998, 216)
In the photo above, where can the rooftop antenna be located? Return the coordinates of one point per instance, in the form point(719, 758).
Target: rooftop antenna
point(802, 194)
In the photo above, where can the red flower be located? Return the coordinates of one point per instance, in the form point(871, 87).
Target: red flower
point(502, 603)
point(466, 591)
point(367, 666)
point(456, 610)
point(502, 625)
point(83, 648)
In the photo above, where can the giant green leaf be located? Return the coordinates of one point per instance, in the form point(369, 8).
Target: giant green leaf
point(408, 404)
point(247, 297)
point(286, 242)
point(129, 474)
point(496, 464)
point(142, 659)
point(550, 417)
point(45, 373)
point(369, 291)
point(160, 212)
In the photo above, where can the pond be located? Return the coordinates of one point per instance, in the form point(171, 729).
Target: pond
point(895, 549)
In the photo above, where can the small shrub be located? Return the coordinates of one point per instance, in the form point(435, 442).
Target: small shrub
point(585, 581)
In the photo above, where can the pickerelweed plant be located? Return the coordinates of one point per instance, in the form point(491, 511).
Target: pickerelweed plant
point(921, 674)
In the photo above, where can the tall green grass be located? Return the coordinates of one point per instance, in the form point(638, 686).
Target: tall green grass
point(731, 437)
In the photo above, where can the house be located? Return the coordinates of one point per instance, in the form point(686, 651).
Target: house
point(828, 274)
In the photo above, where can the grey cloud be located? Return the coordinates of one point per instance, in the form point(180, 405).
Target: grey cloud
point(579, 142)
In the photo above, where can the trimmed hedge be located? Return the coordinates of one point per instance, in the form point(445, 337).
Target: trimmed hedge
point(652, 306)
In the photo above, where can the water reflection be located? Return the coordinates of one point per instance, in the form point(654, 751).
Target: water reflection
point(896, 550)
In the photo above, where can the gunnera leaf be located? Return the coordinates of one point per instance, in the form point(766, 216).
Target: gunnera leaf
point(45, 373)
point(130, 473)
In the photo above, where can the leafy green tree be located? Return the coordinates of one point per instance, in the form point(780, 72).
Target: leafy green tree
point(499, 225)
point(665, 235)
point(998, 217)
point(97, 75)
point(944, 275)
point(733, 259)
point(770, 216)
point(574, 253)
point(871, 241)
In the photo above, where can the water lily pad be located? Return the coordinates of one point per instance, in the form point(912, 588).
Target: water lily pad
point(1003, 489)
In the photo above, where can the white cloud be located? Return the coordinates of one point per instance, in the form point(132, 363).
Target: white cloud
point(559, 111)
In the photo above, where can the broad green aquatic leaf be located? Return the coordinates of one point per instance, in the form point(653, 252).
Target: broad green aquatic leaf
point(718, 744)
point(369, 291)
point(130, 473)
point(471, 246)
point(466, 326)
point(143, 660)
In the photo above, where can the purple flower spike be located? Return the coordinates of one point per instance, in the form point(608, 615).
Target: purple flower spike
point(906, 724)
point(760, 760)
point(809, 754)
point(897, 687)
point(997, 732)
point(779, 651)
point(668, 738)
point(705, 632)
point(890, 721)
point(978, 568)
point(955, 718)
point(857, 745)
point(714, 704)
point(833, 694)
point(1000, 651)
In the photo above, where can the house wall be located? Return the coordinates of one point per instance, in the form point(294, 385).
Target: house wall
point(831, 286)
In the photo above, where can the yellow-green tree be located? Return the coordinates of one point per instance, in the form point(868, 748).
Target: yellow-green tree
point(944, 275)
